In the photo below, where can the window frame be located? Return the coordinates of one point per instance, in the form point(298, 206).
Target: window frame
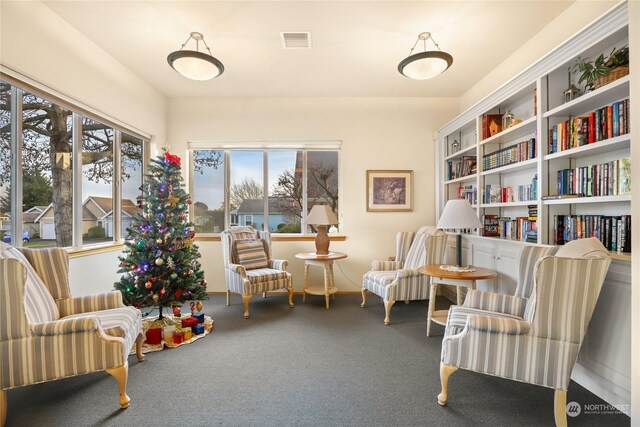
point(19, 87)
point(266, 147)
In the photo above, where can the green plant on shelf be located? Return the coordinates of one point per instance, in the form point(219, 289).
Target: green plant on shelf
point(590, 71)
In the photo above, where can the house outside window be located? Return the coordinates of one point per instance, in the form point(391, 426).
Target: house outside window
point(236, 184)
point(58, 167)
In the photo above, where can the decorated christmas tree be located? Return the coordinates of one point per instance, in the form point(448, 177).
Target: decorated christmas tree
point(160, 261)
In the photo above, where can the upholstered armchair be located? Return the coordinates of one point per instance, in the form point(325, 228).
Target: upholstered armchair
point(248, 266)
point(508, 306)
point(400, 280)
point(46, 334)
point(537, 340)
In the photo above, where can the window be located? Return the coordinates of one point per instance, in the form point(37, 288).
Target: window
point(47, 175)
point(97, 179)
point(65, 163)
point(290, 178)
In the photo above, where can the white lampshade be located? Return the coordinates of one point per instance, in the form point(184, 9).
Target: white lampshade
point(321, 215)
point(458, 214)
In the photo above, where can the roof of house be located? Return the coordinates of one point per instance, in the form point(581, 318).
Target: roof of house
point(277, 205)
point(106, 203)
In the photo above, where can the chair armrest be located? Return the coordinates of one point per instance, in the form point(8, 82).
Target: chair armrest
point(499, 303)
point(88, 303)
point(408, 273)
point(386, 265)
point(498, 325)
point(66, 326)
point(238, 269)
point(279, 264)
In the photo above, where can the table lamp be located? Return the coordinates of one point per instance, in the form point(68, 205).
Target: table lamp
point(457, 215)
point(321, 216)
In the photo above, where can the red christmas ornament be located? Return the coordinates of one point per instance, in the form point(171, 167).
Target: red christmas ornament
point(189, 202)
point(176, 311)
point(162, 291)
point(147, 285)
point(204, 283)
point(178, 293)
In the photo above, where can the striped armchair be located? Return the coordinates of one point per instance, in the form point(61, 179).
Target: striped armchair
point(249, 269)
point(534, 340)
point(46, 334)
point(400, 279)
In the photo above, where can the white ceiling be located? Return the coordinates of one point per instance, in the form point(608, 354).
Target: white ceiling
point(356, 44)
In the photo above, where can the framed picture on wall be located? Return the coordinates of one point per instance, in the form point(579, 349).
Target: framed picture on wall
point(390, 191)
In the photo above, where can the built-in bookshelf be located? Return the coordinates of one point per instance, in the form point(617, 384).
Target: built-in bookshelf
point(540, 154)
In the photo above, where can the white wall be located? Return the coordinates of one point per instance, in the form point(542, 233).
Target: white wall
point(376, 133)
point(38, 44)
point(568, 23)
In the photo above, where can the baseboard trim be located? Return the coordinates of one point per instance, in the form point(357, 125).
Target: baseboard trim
point(602, 388)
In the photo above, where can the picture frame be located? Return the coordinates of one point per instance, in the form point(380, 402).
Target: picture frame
point(389, 190)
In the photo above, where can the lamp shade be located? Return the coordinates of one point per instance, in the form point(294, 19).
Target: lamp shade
point(321, 215)
point(458, 214)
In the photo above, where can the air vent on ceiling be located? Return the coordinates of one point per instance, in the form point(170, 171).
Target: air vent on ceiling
point(295, 39)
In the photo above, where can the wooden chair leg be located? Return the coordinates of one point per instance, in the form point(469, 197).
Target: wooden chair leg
point(228, 298)
point(139, 342)
point(120, 374)
point(3, 407)
point(290, 291)
point(560, 408)
point(387, 310)
point(364, 297)
point(245, 302)
point(445, 373)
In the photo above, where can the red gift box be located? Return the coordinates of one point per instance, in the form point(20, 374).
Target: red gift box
point(154, 336)
point(189, 322)
point(178, 338)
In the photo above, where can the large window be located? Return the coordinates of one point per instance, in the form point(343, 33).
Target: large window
point(64, 174)
point(235, 184)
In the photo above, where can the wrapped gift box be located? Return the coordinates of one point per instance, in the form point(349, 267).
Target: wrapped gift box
point(199, 317)
point(178, 337)
point(188, 322)
point(198, 329)
point(154, 336)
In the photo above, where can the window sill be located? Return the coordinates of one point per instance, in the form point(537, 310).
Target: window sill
point(277, 238)
point(92, 250)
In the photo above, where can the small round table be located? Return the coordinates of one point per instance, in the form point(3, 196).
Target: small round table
point(326, 262)
point(455, 278)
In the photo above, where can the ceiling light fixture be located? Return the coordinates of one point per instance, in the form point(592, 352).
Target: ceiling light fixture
point(193, 64)
point(427, 64)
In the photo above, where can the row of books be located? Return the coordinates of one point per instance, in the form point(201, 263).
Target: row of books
point(604, 123)
point(606, 179)
point(522, 193)
point(463, 167)
point(613, 231)
point(468, 192)
point(519, 152)
point(508, 228)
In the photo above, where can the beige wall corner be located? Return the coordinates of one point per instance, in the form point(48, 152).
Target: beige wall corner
point(572, 20)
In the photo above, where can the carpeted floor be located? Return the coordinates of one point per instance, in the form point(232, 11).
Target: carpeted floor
point(306, 366)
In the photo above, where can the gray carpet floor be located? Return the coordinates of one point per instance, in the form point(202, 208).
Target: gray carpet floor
point(305, 366)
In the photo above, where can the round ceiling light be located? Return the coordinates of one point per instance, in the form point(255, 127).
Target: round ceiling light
point(193, 64)
point(425, 65)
